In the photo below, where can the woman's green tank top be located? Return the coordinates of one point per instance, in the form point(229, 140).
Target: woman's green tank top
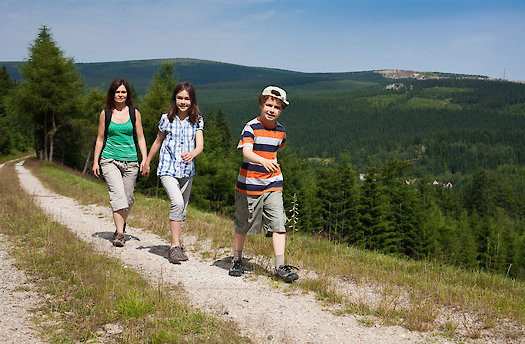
point(120, 144)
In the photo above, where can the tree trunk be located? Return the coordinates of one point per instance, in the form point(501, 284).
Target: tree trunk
point(86, 164)
point(44, 149)
point(52, 137)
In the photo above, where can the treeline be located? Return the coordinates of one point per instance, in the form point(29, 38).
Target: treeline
point(389, 210)
point(449, 128)
point(392, 211)
point(360, 164)
point(455, 123)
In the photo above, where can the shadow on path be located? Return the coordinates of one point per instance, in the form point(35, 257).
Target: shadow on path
point(225, 264)
point(110, 235)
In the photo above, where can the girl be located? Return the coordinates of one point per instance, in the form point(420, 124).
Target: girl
point(119, 123)
point(180, 140)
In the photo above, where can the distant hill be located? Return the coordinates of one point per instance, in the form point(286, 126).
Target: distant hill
point(199, 72)
point(203, 72)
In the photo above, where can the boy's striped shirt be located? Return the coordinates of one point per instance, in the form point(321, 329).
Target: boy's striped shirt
point(253, 178)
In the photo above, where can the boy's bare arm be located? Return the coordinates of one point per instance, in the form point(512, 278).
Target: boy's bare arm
point(269, 165)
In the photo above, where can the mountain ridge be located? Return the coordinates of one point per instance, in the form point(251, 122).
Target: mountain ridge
point(202, 72)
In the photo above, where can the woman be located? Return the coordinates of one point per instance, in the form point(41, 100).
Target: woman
point(119, 131)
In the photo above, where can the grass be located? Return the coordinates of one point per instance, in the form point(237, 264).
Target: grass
point(85, 290)
point(15, 155)
point(408, 293)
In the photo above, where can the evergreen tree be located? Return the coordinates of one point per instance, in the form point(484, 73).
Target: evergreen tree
point(373, 222)
point(328, 191)
point(157, 100)
point(349, 199)
point(400, 236)
point(464, 241)
point(338, 197)
point(435, 227)
point(91, 107)
point(299, 180)
point(51, 95)
point(217, 167)
point(6, 84)
point(518, 269)
point(478, 197)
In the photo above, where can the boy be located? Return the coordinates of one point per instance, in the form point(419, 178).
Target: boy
point(258, 192)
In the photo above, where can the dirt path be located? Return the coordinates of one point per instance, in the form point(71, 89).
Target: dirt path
point(264, 313)
point(16, 301)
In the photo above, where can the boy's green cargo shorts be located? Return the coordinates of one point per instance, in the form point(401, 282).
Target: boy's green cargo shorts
point(253, 213)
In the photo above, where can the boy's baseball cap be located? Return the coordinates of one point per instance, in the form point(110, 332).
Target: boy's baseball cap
point(276, 92)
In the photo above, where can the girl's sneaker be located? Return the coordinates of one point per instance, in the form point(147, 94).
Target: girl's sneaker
point(115, 234)
point(119, 240)
point(177, 255)
point(285, 273)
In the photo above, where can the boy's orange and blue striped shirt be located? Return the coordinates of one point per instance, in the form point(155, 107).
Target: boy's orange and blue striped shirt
point(253, 178)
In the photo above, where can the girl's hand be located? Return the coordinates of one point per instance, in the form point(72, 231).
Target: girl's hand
point(144, 167)
point(188, 156)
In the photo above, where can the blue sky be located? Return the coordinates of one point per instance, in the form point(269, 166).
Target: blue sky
point(461, 36)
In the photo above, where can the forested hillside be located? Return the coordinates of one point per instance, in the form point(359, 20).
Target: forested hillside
point(428, 169)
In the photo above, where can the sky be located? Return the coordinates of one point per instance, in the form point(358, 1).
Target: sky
point(480, 37)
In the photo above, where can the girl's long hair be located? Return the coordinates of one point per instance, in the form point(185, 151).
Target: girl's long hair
point(110, 97)
point(193, 111)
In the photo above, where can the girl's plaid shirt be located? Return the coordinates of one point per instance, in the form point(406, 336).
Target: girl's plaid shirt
point(180, 138)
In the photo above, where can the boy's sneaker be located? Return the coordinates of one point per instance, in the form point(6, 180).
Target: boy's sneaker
point(236, 268)
point(285, 273)
point(119, 240)
point(177, 255)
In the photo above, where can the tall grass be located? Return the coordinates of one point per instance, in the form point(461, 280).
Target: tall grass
point(16, 155)
point(405, 292)
point(85, 290)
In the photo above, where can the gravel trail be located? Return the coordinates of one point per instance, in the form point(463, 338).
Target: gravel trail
point(264, 312)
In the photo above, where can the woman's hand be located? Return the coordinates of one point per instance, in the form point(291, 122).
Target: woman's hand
point(144, 167)
point(96, 169)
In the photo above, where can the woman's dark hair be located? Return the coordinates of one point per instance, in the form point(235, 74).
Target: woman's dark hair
point(110, 97)
point(193, 112)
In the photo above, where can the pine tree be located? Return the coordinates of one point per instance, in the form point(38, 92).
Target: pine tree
point(217, 167)
point(465, 253)
point(6, 84)
point(399, 235)
point(349, 200)
point(478, 196)
point(157, 99)
point(372, 206)
point(299, 180)
point(518, 270)
point(91, 107)
point(328, 191)
point(51, 95)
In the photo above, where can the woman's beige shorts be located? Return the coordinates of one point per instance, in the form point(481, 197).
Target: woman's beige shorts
point(120, 177)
